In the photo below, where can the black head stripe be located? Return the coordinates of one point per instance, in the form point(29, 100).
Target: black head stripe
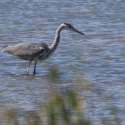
point(68, 25)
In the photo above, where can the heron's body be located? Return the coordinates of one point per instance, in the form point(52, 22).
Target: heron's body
point(28, 50)
point(34, 51)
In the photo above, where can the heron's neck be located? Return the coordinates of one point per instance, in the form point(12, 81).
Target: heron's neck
point(56, 40)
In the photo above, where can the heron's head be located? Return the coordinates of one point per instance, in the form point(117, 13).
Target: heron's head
point(70, 27)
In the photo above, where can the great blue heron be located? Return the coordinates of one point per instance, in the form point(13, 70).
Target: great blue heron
point(34, 51)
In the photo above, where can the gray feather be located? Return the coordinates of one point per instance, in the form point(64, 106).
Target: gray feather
point(27, 50)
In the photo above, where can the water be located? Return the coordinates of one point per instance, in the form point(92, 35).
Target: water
point(98, 57)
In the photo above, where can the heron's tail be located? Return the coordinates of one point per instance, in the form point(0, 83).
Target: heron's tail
point(5, 49)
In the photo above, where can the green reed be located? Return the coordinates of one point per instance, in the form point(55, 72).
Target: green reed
point(61, 108)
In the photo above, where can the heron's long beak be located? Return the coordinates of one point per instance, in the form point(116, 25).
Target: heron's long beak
point(73, 29)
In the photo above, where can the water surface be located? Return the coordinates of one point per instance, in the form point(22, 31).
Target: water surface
point(99, 57)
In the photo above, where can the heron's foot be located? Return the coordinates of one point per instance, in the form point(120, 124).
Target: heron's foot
point(27, 71)
point(34, 72)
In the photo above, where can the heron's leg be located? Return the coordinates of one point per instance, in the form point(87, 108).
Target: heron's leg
point(34, 71)
point(27, 71)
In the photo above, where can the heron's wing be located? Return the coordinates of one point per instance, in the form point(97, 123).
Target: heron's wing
point(28, 50)
point(31, 53)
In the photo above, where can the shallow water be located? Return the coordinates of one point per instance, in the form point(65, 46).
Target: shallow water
point(98, 57)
